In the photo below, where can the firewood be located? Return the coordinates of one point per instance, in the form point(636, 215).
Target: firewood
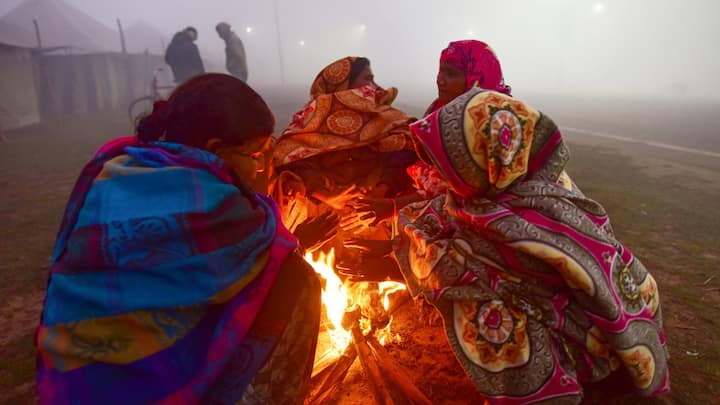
point(318, 376)
point(382, 393)
point(396, 374)
point(351, 317)
point(324, 389)
point(325, 362)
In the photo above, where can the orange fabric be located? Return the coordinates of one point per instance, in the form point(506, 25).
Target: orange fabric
point(337, 118)
point(335, 77)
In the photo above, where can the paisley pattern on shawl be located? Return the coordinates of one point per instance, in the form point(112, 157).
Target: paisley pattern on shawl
point(537, 294)
point(334, 77)
point(153, 289)
point(337, 118)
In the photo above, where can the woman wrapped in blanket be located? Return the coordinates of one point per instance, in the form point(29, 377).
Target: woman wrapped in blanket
point(171, 280)
point(463, 65)
point(346, 142)
point(537, 295)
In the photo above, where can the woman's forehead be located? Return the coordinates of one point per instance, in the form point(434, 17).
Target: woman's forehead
point(257, 143)
point(447, 66)
point(263, 141)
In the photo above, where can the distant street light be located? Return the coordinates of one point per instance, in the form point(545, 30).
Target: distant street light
point(599, 8)
point(363, 27)
point(248, 30)
point(301, 43)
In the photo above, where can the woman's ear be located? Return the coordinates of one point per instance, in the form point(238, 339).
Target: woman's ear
point(213, 144)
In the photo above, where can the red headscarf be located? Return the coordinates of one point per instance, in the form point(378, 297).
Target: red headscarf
point(479, 63)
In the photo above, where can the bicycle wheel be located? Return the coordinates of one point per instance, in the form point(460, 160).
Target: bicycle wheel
point(139, 108)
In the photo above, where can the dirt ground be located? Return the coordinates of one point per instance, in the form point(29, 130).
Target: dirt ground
point(663, 206)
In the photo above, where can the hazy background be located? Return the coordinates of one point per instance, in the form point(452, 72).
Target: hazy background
point(641, 48)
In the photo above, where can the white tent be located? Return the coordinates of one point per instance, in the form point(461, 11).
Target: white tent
point(62, 25)
point(16, 35)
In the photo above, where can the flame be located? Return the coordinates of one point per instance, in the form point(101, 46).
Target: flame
point(387, 288)
point(335, 297)
point(385, 335)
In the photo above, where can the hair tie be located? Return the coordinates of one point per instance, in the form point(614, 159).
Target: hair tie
point(153, 126)
point(159, 117)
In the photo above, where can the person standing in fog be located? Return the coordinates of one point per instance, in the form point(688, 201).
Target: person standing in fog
point(235, 60)
point(183, 55)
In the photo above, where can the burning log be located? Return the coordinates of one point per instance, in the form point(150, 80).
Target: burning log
point(374, 358)
point(369, 363)
point(324, 364)
point(325, 388)
point(359, 318)
point(396, 374)
point(326, 381)
point(351, 320)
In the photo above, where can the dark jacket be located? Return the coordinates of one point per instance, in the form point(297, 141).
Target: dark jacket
point(183, 57)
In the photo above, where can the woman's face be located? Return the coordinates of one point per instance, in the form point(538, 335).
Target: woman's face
point(364, 78)
point(247, 159)
point(450, 82)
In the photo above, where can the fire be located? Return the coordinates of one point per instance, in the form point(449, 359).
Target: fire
point(387, 288)
point(338, 296)
point(335, 297)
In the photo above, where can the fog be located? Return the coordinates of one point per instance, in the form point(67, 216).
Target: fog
point(654, 48)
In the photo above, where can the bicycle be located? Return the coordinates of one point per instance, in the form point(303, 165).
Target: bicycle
point(142, 106)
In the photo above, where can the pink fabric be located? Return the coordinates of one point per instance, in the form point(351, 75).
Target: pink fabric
point(240, 323)
point(533, 219)
point(117, 144)
point(427, 131)
point(538, 160)
point(428, 181)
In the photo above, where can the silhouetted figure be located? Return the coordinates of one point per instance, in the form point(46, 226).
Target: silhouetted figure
point(183, 55)
point(235, 60)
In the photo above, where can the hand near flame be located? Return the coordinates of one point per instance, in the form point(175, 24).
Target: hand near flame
point(339, 201)
point(378, 247)
point(382, 208)
point(371, 263)
point(314, 232)
point(357, 221)
point(370, 268)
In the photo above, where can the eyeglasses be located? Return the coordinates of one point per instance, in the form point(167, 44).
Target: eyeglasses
point(235, 150)
point(238, 150)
